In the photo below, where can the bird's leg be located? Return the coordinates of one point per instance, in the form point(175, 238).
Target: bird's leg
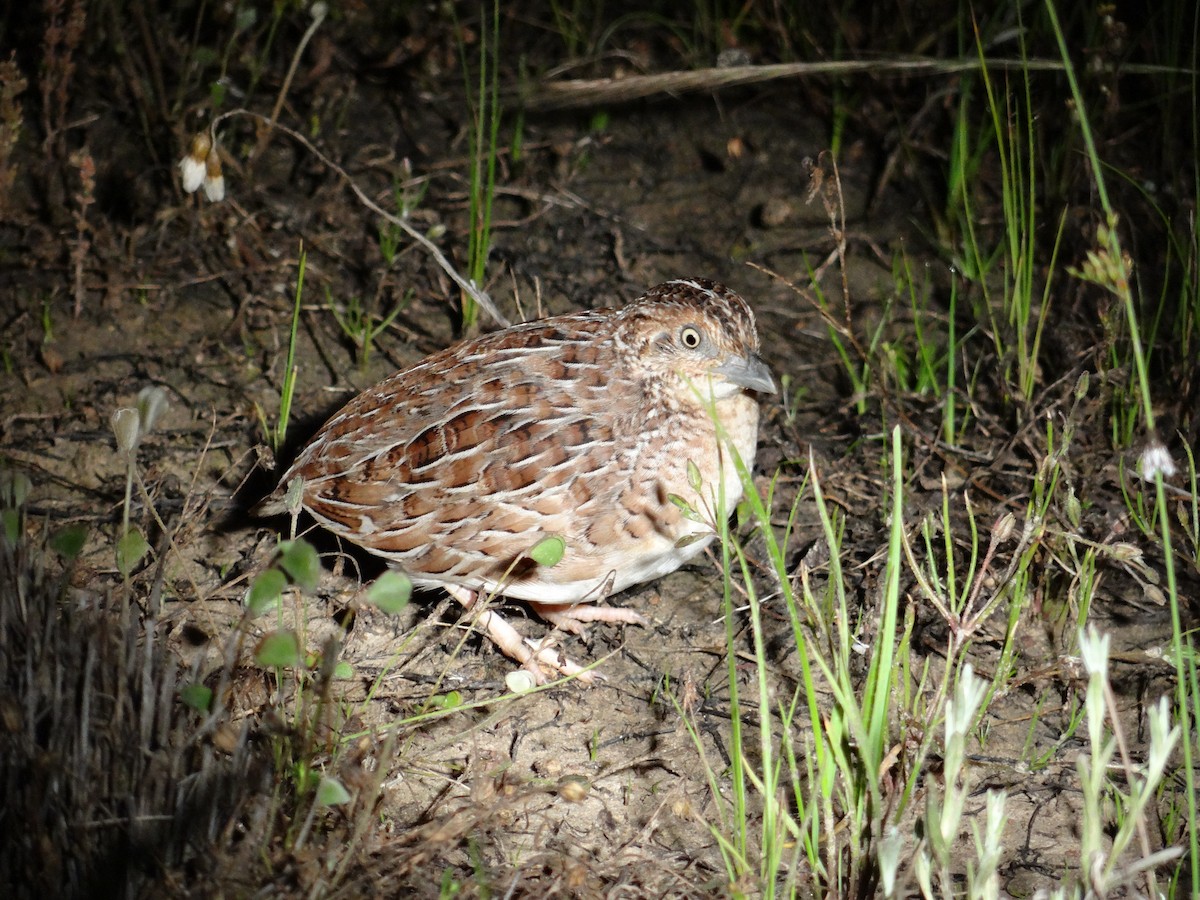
point(573, 616)
point(532, 655)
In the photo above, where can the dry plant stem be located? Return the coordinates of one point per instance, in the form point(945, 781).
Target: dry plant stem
point(363, 818)
point(12, 85)
point(835, 207)
point(319, 11)
point(591, 92)
point(833, 201)
point(83, 199)
point(476, 294)
point(64, 31)
point(1110, 700)
point(153, 58)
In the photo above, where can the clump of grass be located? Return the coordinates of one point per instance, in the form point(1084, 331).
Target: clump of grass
point(103, 694)
point(939, 858)
point(362, 325)
point(486, 114)
point(276, 434)
point(1005, 277)
point(831, 747)
point(407, 195)
point(1109, 267)
point(845, 764)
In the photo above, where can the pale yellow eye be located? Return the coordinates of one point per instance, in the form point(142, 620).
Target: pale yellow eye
point(690, 337)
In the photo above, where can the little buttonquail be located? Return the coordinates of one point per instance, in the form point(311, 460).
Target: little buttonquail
point(582, 426)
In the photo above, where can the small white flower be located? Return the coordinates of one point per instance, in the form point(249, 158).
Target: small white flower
point(192, 173)
point(1156, 459)
point(202, 166)
point(214, 188)
point(192, 168)
point(214, 181)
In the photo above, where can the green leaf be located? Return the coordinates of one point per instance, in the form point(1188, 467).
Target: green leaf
point(745, 514)
point(130, 550)
point(390, 592)
point(216, 94)
point(68, 543)
point(245, 19)
point(548, 551)
point(343, 670)
point(693, 476)
point(294, 499)
point(331, 792)
point(684, 507)
point(279, 649)
point(197, 696)
point(11, 521)
point(1074, 508)
point(265, 591)
point(299, 559)
point(14, 488)
point(305, 777)
point(452, 700)
point(689, 539)
point(202, 57)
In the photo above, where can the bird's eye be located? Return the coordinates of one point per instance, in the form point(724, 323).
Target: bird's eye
point(689, 336)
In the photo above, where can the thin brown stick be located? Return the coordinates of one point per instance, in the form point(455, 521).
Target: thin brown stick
point(590, 92)
point(469, 287)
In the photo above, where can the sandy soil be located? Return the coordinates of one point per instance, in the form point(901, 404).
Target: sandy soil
point(582, 791)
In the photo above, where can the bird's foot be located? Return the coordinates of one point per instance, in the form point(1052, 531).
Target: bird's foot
point(573, 617)
point(536, 657)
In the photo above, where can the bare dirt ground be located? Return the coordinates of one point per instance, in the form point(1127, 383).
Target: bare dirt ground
point(575, 791)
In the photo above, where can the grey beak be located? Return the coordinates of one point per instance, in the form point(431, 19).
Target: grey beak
point(748, 372)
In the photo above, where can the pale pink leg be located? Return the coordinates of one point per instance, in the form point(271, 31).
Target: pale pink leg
point(532, 655)
point(573, 616)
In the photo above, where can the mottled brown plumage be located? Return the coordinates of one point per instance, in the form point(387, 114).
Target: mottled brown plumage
point(581, 426)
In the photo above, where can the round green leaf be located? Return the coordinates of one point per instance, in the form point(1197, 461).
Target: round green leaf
point(299, 559)
point(330, 792)
point(130, 550)
point(279, 649)
point(390, 592)
point(548, 551)
point(265, 591)
point(451, 700)
point(68, 543)
point(197, 696)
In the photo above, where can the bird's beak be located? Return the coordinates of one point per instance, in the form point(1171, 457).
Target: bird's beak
point(748, 372)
